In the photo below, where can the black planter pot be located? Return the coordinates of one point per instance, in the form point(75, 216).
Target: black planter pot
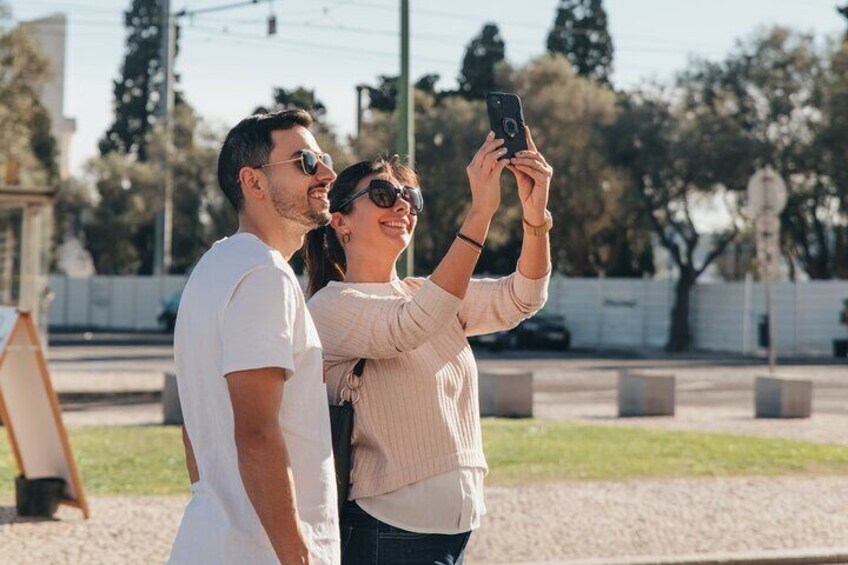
point(840, 347)
point(38, 497)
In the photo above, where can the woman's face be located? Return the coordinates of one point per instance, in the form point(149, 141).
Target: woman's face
point(375, 230)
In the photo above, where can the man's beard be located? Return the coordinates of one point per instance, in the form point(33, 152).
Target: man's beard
point(299, 210)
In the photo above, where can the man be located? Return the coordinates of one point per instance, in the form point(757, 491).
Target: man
point(249, 366)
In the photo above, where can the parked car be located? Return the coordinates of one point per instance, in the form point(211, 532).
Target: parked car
point(542, 331)
point(167, 316)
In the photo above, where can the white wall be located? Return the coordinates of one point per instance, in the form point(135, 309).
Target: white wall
point(109, 302)
point(603, 313)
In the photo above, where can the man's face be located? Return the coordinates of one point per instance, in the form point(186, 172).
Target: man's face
point(296, 196)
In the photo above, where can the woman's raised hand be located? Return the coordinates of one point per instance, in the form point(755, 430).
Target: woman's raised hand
point(484, 175)
point(533, 175)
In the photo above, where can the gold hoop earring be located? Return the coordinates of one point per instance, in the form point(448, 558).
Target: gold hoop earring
point(346, 238)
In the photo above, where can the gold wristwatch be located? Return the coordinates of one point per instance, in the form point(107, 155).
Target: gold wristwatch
point(539, 230)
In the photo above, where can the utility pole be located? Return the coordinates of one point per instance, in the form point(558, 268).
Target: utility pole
point(359, 110)
point(406, 113)
point(165, 216)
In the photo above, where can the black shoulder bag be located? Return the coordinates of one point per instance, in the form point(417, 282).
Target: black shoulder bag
point(341, 425)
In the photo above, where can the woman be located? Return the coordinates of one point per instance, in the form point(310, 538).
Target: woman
point(418, 464)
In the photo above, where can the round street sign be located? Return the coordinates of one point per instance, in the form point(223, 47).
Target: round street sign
point(766, 193)
point(768, 226)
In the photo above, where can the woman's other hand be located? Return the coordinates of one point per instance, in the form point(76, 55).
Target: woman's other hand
point(484, 176)
point(533, 175)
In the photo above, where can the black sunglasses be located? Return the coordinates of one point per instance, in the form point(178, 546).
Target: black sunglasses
point(308, 161)
point(384, 194)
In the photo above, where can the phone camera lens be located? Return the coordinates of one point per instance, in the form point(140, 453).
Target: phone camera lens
point(510, 127)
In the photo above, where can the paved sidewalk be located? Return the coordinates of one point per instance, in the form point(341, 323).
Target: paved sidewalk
point(713, 395)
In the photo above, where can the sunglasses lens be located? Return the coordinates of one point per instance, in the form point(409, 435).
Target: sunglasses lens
point(327, 160)
point(416, 200)
point(310, 162)
point(382, 193)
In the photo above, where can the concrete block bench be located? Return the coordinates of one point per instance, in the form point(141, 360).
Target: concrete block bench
point(172, 413)
point(642, 394)
point(781, 397)
point(506, 393)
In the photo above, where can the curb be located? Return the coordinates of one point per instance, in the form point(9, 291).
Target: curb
point(810, 556)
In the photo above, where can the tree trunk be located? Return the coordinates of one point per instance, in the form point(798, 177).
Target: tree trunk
point(679, 336)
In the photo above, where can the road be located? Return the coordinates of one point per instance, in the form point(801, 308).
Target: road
point(714, 392)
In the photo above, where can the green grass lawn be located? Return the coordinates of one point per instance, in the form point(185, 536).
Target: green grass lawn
point(149, 460)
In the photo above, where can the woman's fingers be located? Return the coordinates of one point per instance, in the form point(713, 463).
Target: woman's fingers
point(532, 154)
point(488, 146)
point(519, 176)
point(490, 160)
point(500, 165)
point(534, 162)
point(538, 176)
point(530, 145)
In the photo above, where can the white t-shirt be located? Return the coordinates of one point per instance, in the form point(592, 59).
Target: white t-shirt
point(241, 309)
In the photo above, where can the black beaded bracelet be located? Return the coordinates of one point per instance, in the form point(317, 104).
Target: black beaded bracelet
point(467, 239)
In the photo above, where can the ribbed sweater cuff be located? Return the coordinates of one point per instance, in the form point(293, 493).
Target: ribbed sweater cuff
point(533, 292)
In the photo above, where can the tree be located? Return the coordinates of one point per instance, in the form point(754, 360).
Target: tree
point(383, 97)
point(580, 33)
point(834, 139)
point(119, 231)
point(427, 84)
point(136, 91)
point(677, 159)
point(299, 97)
point(306, 99)
point(485, 51)
point(595, 227)
point(789, 107)
point(24, 124)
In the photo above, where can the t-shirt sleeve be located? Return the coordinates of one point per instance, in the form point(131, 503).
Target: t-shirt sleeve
point(257, 325)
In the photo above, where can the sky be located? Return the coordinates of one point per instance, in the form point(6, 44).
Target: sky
point(227, 66)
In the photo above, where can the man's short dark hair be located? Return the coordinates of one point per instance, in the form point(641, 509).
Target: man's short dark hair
point(249, 144)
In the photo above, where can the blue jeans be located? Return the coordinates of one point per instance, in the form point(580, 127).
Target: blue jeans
point(368, 541)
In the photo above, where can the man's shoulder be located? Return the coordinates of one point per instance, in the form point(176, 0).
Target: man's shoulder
point(238, 255)
point(245, 251)
point(229, 263)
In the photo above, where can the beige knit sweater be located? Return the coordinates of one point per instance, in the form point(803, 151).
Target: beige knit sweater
point(418, 415)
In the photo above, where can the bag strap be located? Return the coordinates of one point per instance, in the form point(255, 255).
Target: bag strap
point(352, 383)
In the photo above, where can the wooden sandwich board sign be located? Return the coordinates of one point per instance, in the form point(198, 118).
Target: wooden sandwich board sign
point(30, 409)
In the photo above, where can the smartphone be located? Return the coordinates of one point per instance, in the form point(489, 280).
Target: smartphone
point(506, 118)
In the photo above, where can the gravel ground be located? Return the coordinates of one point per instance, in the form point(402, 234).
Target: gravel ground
point(545, 522)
